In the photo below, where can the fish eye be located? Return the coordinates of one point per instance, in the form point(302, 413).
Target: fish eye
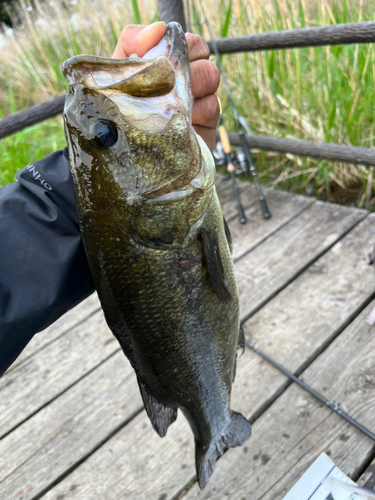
point(103, 133)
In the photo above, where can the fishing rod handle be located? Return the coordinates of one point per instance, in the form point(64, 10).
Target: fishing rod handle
point(264, 208)
point(224, 140)
point(263, 204)
point(241, 214)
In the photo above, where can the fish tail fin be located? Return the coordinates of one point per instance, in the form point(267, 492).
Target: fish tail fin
point(160, 415)
point(237, 432)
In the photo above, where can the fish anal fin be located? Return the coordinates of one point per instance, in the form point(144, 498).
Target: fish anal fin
point(237, 432)
point(240, 346)
point(160, 415)
point(214, 264)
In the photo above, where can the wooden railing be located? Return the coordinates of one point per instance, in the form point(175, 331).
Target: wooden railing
point(306, 37)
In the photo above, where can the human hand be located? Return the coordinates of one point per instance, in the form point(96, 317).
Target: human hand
point(204, 75)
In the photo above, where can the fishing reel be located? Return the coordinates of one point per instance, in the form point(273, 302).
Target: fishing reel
point(237, 157)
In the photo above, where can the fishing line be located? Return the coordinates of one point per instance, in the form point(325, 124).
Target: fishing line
point(239, 120)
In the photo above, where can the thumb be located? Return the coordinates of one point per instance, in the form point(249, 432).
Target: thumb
point(138, 39)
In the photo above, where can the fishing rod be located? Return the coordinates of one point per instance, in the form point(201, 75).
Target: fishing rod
point(263, 204)
point(230, 167)
point(330, 404)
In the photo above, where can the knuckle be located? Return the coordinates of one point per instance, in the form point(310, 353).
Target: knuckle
point(214, 106)
point(198, 48)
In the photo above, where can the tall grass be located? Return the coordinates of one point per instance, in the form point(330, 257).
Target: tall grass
point(319, 94)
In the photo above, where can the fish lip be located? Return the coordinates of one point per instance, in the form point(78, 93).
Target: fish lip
point(179, 57)
point(172, 46)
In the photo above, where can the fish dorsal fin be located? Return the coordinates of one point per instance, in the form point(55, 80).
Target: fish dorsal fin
point(214, 264)
point(161, 416)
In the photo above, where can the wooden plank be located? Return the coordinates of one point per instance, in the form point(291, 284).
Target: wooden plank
point(57, 366)
point(62, 433)
point(248, 195)
point(134, 464)
point(62, 325)
point(337, 285)
point(270, 267)
point(283, 207)
point(297, 428)
point(246, 238)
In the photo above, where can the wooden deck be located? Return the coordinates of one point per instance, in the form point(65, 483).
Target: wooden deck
point(72, 424)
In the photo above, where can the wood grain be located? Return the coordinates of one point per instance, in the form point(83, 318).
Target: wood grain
point(289, 328)
point(367, 479)
point(297, 428)
point(53, 369)
point(322, 150)
point(62, 433)
point(303, 37)
point(76, 315)
point(293, 328)
point(271, 266)
point(284, 209)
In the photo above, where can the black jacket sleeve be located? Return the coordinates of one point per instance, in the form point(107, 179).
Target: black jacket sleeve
point(43, 266)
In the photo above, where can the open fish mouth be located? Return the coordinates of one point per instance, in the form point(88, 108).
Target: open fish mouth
point(132, 116)
point(162, 74)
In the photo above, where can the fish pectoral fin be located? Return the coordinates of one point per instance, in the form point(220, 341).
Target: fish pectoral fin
point(237, 432)
point(214, 264)
point(228, 235)
point(161, 415)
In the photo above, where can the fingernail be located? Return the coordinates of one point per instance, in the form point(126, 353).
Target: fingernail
point(147, 29)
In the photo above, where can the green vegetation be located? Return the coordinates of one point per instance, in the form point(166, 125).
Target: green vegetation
point(318, 94)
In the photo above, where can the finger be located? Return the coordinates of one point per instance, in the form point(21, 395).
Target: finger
point(138, 39)
point(206, 111)
point(204, 77)
point(207, 134)
point(198, 48)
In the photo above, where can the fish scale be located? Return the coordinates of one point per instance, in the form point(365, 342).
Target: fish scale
point(155, 239)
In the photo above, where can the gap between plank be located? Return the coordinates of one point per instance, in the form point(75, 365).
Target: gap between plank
point(59, 394)
point(190, 483)
point(297, 214)
point(88, 454)
point(366, 463)
point(301, 271)
point(301, 458)
point(55, 338)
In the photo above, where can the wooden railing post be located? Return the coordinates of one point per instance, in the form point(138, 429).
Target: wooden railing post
point(172, 10)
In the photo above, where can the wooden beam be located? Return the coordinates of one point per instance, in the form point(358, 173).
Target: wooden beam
point(322, 150)
point(32, 115)
point(172, 10)
point(336, 34)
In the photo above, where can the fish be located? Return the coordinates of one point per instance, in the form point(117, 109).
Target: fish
point(157, 244)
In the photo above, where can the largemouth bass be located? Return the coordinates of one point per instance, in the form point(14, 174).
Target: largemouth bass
point(156, 241)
